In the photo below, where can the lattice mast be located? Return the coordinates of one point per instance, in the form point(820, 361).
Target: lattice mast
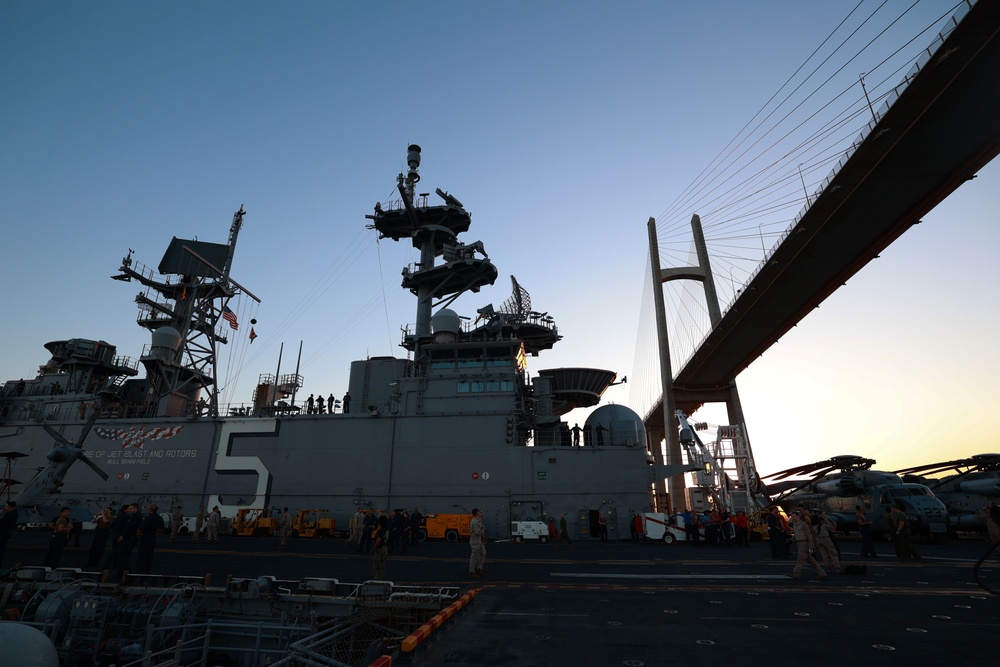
point(183, 313)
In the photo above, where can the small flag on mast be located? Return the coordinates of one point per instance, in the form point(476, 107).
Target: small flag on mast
point(253, 334)
point(230, 317)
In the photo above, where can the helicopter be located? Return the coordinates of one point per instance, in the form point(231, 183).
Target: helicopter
point(973, 486)
point(31, 500)
point(839, 484)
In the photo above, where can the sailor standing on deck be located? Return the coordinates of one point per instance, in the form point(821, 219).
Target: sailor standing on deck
point(151, 525)
point(805, 542)
point(212, 526)
point(477, 542)
point(415, 520)
point(865, 527)
point(102, 530)
point(128, 539)
point(824, 528)
point(366, 531)
point(563, 532)
point(901, 533)
point(284, 527)
point(60, 536)
point(380, 554)
point(357, 522)
point(199, 523)
point(117, 532)
point(175, 522)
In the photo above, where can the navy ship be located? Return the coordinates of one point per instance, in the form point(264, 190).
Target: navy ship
point(456, 422)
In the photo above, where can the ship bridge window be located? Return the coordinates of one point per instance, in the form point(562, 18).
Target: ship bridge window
point(479, 387)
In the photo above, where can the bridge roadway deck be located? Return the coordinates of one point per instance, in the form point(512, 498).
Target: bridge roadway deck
point(651, 604)
point(943, 128)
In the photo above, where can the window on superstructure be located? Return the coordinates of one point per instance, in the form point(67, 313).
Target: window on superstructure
point(479, 387)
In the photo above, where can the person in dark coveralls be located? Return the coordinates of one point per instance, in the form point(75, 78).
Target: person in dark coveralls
point(380, 554)
point(102, 530)
point(60, 536)
point(128, 540)
point(397, 530)
point(150, 526)
point(865, 527)
point(415, 520)
point(347, 402)
point(117, 533)
point(8, 522)
point(776, 535)
point(563, 532)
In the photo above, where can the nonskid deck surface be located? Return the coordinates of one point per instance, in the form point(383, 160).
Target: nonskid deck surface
point(651, 604)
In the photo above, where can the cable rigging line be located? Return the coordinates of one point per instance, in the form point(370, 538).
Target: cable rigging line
point(721, 157)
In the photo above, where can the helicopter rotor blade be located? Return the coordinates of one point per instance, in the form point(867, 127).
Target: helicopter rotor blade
point(785, 494)
point(56, 435)
point(94, 466)
point(86, 428)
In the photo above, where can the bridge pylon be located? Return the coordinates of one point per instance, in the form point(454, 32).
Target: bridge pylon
point(702, 273)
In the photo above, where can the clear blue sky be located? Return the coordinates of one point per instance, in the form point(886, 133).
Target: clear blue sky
point(562, 126)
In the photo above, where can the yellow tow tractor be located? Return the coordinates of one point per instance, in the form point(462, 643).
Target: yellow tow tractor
point(253, 521)
point(313, 523)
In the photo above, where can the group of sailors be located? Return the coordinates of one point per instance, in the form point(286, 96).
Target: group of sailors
point(403, 527)
point(315, 405)
point(131, 530)
point(717, 528)
point(593, 435)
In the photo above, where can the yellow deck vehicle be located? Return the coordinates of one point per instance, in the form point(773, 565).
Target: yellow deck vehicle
point(449, 527)
point(313, 523)
point(253, 521)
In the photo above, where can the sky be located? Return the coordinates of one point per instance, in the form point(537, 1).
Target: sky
point(562, 127)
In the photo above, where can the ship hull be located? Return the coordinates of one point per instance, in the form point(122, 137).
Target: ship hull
point(439, 463)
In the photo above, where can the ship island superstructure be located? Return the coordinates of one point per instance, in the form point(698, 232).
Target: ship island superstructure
point(456, 423)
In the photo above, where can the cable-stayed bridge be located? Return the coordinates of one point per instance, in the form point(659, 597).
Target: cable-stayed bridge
point(934, 131)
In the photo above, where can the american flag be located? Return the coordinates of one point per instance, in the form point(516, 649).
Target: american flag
point(230, 317)
point(138, 436)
